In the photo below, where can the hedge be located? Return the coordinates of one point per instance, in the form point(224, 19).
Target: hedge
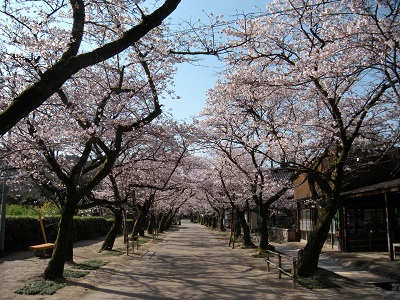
point(22, 232)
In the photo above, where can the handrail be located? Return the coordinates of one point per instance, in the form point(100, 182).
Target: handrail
point(279, 265)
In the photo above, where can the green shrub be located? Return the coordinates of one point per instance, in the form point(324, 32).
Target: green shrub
point(90, 227)
point(48, 209)
point(20, 210)
point(22, 232)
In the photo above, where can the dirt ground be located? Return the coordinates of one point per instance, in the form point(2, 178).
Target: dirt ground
point(21, 268)
point(18, 269)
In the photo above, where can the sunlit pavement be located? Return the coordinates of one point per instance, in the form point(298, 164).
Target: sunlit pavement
point(192, 263)
point(189, 264)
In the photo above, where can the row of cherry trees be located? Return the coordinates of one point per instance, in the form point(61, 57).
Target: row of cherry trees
point(80, 86)
point(308, 85)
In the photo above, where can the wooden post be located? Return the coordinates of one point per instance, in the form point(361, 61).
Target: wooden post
point(389, 222)
point(126, 238)
point(279, 265)
point(42, 227)
point(294, 272)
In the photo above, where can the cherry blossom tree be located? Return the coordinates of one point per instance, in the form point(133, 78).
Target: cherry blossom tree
point(312, 79)
point(208, 186)
point(236, 135)
point(157, 173)
point(70, 144)
point(44, 43)
point(234, 188)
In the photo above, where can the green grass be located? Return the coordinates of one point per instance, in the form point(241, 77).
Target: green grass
point(260, 255)
point(41, 288)
point(90, 265)
point(75, 273)
point(314, 283)
point(114, 252)
point(48, 209)
point(145, 239)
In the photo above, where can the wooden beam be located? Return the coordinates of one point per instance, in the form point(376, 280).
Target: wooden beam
point(389, 222)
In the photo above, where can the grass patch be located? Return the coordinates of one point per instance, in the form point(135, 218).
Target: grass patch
point(114, 252)
point(75, 273)
point(316, 283)
point(46, 287)
point(90, 265)
point(260, 255)
point(145, 239)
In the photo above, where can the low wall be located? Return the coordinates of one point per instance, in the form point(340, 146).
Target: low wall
point(278, 234)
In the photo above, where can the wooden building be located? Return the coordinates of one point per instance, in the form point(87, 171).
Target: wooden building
point(369, 219)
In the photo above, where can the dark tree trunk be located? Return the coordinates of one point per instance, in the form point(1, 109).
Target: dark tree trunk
point(332, 201)
point(140, 223)
point(221, 215)
point(69, 255)
point(55, 267)
point(264, 236)
point(237, 227)
point(108, 243)
point(207, 220)
point(163, 222)
point(171, 218)
point(309, 260)
point(246, 230)
point(214, 221)
point(152, 224)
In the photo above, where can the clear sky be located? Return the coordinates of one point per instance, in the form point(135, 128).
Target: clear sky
point(192, 82)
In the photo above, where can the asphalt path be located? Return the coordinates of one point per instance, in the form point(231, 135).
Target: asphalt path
point(190, 263)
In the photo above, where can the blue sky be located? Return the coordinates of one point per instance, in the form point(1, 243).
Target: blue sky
point(192, 82)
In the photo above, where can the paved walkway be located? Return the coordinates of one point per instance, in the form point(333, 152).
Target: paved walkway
point(189, 264)
point(363, 267)
point(194, 263)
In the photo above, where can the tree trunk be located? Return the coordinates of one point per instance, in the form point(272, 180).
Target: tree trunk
point(170, 220)
point(264, 236)
point(152, 224)
point(221, 215)
point(163, 222)
point(138, 227)
point(108, 243)
point(55, 267)
point(237, 227)
point(214, 221)
point(309, 260)
point(69, 255)
point(246, 230)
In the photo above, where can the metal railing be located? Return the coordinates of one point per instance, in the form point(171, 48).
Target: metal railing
point(278, 265)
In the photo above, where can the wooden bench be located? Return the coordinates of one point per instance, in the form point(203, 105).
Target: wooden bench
point(40, 250)
point(395, 245)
